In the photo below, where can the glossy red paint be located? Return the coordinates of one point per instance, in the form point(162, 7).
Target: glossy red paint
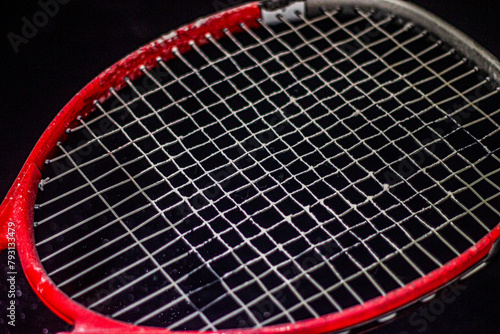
point(19, 203)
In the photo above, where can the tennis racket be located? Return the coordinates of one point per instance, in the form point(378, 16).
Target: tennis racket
point(301, 167)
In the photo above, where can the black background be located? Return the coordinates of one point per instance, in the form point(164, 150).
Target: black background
point(85, 37)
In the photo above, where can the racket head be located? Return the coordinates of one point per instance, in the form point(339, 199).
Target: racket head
point(18, 206)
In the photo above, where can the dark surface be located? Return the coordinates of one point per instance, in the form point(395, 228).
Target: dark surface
point(85, 37)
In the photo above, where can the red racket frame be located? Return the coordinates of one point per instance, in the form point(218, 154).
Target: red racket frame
point(18, 206)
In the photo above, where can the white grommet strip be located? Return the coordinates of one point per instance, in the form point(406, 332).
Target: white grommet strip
point(288, 13)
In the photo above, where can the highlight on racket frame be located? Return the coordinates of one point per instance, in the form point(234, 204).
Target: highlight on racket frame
point(285, 166)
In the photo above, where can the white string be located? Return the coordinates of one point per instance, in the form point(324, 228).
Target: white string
point(286, 125)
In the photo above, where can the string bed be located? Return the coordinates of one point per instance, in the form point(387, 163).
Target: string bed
point(275, 175)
